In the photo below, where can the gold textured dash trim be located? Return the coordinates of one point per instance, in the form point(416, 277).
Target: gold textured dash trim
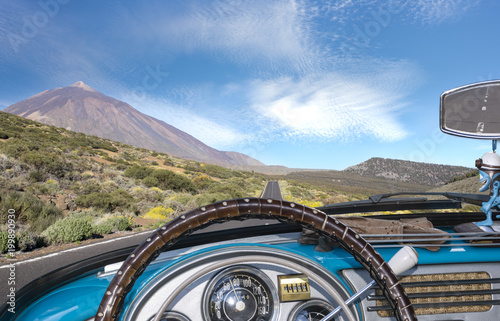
point(444, 288)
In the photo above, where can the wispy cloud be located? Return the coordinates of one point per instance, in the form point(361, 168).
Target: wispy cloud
point(336, 107)
point(274, 34)
point(214, 130)
point(438, 11)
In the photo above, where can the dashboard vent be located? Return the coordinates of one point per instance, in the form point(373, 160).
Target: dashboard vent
point(444, 293)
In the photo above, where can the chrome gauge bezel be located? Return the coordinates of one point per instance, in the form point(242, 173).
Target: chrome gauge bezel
point(307, 304)
point(241, 269)
point(172, 315)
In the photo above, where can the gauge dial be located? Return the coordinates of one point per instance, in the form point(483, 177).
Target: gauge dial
point(240, 294)
point(313, 310)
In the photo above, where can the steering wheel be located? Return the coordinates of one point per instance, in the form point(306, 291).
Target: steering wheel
point(241, 209)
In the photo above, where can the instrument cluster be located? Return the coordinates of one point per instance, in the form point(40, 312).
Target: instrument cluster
point(240, 285)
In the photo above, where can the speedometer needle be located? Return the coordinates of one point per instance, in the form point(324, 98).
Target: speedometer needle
point(240, 305)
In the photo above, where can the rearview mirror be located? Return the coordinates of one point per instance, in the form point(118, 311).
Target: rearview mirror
point(472, 111)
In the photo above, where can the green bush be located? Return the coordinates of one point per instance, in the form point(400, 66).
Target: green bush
point(105, 201)
point(37, 176)
point(50, 162)
point(218, 171)
point(209, 198)
point(233, 190)
point(151, 181)
point(138, 172)
point(203, 182)
point(90, 186)
point(168, 162)
point(102, 228)
point(170, 180)
point(29, 210)
point(113, 224)
point(68, 229)
point(4, 241)
point(27, 241)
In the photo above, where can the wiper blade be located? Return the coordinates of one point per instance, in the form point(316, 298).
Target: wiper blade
point(390, 204)
point(476, 199)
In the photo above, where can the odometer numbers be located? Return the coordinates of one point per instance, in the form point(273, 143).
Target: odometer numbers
point(240, 294)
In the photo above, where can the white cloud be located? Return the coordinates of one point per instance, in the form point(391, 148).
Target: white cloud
point(336, 107)
point(274, 34)
point(438, 11)
point(210, 129)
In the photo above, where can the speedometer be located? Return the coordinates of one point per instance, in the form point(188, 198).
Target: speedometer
point(240, 294)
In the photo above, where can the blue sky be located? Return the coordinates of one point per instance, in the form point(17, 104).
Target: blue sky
point(305, 84)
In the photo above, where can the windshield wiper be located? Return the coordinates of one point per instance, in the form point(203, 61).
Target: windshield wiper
point(475, 199)
point(389, 204)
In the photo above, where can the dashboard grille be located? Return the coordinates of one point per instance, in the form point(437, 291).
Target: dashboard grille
point(444, 293)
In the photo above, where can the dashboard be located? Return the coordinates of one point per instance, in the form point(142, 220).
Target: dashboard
point(275, 278)
point(238, 282)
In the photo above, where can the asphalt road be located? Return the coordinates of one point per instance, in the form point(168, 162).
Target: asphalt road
point(272, 191)
point(23, 272)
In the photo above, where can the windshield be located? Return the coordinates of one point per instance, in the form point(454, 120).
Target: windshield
point(118, 116)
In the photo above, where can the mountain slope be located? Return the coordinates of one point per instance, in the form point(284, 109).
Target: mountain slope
point(83, 109)
point(407, 171)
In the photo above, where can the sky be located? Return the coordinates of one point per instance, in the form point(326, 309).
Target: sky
point(304, 84)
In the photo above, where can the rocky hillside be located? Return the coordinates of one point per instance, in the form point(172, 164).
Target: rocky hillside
point(83, 109)
point(407, 171)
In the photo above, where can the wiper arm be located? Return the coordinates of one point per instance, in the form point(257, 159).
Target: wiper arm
point(476, 199)
point(390, 204)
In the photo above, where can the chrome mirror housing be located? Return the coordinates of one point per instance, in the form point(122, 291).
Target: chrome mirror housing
point(472, 111)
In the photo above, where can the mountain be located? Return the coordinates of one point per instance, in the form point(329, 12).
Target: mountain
point(83, 109)
point(407, 171)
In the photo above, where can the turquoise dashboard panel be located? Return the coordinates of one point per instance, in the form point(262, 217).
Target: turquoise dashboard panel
point(79, 299)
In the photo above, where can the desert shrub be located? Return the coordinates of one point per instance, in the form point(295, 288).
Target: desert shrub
point(105, 201)
point(27, 241)
point(138, 172)
point(170, 180)
point(203, 182)
point(183, 198)
point(68, 229)
point(36, 176)
point(49, 162)
point(209, 198)
point(154, 163)
point(89, 186)
point(3, 135)
point(168, 162)
point(102, 228)
point(120, 223)
point(120, 167)
point(299, 192)
point(159, 213)
point(234, 191)
point(113, 224)
point(110, 186)
point(4, 241)
point(336, 199)
point(16, 148)
point(159, 224)
point(121, 161)
point(150, 181)
point(217, 171)
point(29, 210)
point(193, 167)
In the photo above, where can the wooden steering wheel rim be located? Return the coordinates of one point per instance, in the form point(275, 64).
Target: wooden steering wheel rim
point(245, 208)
